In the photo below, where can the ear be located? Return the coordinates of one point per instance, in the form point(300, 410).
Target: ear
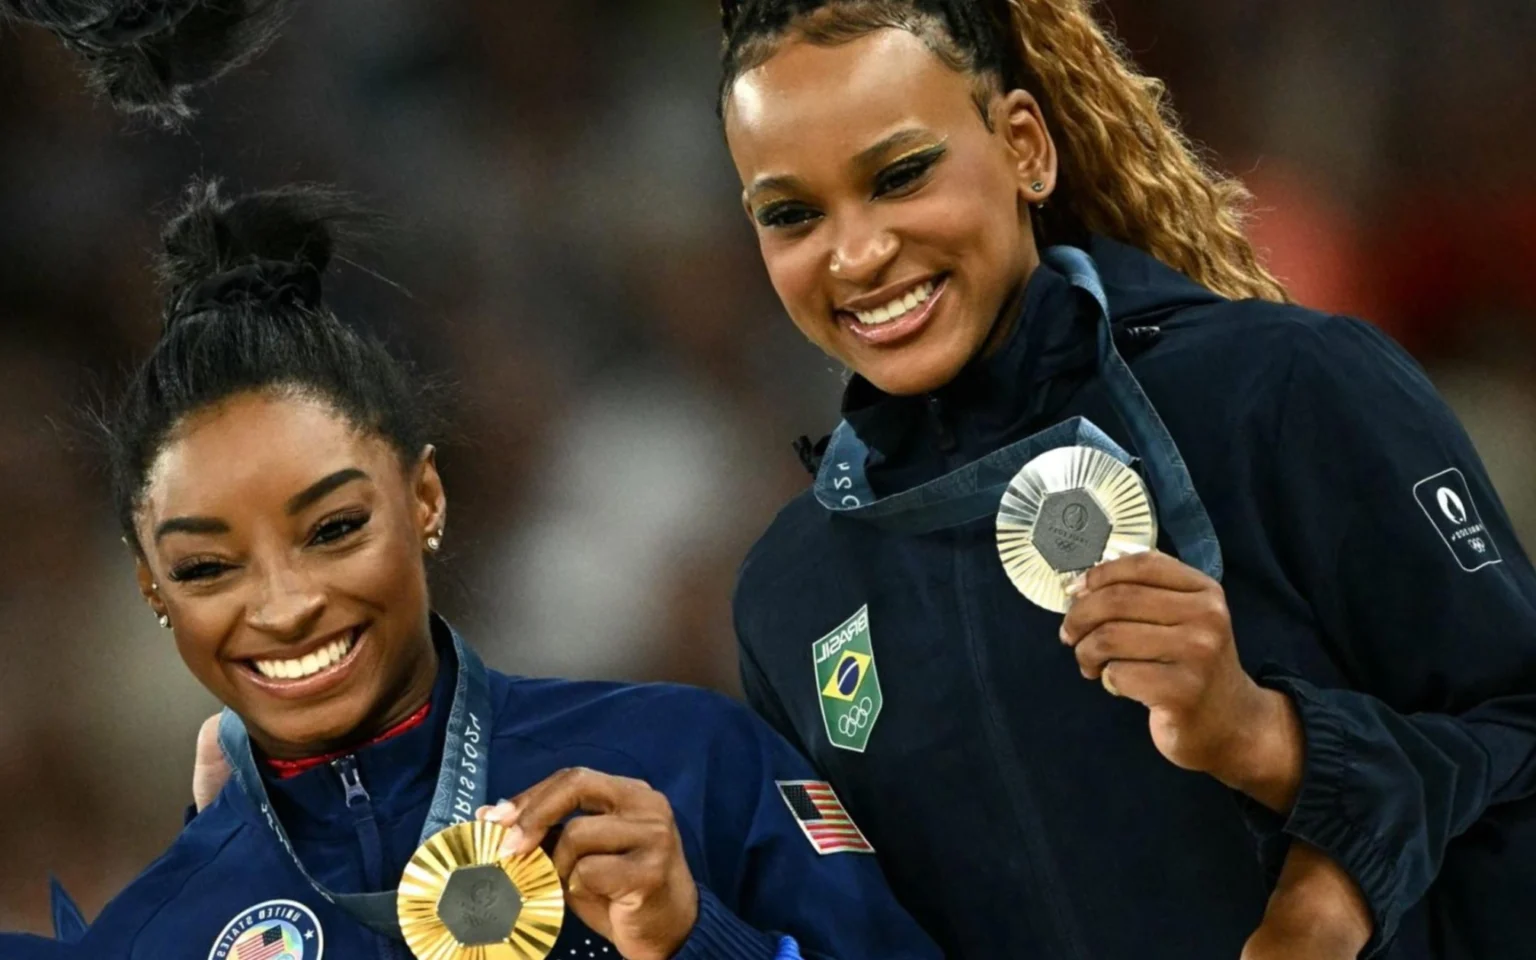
point(1021, 123)
point(147, 585)
point(431, 499)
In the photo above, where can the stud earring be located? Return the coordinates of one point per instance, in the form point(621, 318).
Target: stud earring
point(434, 543)
point(165, 621)
point(1038, 186)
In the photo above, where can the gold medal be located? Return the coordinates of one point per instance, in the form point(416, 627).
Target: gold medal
point(459, 901)
point(1066, 511)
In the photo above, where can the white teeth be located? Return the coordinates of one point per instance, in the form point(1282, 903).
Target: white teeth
point(307, 665)
point(898, 307)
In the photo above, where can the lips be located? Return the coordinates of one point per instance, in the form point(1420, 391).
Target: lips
point(321, 681)
point(904, 326)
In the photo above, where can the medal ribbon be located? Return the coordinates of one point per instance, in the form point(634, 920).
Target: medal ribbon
point(463, 783)
point(975, 490)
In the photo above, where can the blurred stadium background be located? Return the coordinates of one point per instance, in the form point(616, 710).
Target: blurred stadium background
point(572, 255)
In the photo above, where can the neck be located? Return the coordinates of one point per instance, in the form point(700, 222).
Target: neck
point(1007, 318)
point(393, 710)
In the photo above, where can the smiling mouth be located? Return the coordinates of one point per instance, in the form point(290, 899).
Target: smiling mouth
point(328, 659)
point(898, 320)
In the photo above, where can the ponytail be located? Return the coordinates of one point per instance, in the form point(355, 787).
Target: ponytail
point(1128, 170)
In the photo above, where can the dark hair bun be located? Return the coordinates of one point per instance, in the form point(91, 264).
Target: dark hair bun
point(147, 55)
point(270, 247)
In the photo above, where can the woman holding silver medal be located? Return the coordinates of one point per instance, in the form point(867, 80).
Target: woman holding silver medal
point(391, 796)
point(1065, 353)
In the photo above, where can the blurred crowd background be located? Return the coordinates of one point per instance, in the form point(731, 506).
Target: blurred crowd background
point(569, 251)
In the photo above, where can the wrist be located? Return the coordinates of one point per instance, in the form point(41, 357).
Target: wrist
point(1264, 757)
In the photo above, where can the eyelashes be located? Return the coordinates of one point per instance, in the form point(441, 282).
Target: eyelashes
point(908, 171)
point(329, 532)
point(897, 179)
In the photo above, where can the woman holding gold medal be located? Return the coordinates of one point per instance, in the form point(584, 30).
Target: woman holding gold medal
point(1065, 354)
point(274, 481)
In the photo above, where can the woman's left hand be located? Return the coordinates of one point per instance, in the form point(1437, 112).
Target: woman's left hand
point(1157, 631)
point(622, 863)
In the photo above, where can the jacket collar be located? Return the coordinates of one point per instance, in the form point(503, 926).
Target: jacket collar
point(1051, 347)
point(399, 773)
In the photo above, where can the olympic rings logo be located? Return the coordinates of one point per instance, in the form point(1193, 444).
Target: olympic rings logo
point(856, 719)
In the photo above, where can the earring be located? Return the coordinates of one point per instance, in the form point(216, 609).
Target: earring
point(434, 542)
point(165, 621)
point(1038, 186)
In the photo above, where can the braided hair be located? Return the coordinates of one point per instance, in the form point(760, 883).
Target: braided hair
point(1127, 169)
point(244, 313)
point(145, 56)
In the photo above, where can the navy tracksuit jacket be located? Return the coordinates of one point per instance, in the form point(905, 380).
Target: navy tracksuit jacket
point(760, 879)
point(1371, 574)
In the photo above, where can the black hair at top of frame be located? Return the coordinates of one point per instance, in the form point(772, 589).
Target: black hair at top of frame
point(979, 27)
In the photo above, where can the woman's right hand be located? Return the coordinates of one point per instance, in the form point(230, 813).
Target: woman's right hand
point(1316, 912)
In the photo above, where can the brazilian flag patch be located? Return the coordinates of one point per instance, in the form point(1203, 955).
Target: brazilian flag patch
point(848, 683)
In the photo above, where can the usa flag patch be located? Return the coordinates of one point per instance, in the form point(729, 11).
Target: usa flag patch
point(822, 818)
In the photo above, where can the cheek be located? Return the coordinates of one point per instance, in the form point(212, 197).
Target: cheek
point(795, 268)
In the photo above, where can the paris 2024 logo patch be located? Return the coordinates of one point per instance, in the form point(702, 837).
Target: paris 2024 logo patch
point(1447, 502)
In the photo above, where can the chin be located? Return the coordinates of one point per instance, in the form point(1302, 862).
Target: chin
point(922, 372)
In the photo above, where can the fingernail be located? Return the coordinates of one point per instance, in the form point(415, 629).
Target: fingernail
point(1078, 585)
point(483, 812)
point(510, 843)
point(505, 810)
point(573, 885)
point(1063, 634)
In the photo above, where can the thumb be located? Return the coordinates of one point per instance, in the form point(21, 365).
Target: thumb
point(210, 770)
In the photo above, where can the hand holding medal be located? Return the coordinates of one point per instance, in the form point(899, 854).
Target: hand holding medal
point(1076, 533)
point(621, 861)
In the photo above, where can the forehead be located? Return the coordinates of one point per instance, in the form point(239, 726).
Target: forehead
point(838, 99)
point(254, 451)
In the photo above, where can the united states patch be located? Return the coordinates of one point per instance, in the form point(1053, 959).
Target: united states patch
point(826, 824)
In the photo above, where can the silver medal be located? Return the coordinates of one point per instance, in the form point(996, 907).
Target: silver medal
point(1066, 511)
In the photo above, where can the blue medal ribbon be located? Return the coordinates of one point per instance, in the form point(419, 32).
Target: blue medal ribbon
point(975, 490)
point(463, 783)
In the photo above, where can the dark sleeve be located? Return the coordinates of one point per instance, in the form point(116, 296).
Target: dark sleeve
point(770, 893)
point(24, 946)
point(1426, 602)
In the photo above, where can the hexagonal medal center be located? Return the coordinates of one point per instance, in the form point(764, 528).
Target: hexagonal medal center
point(1071, 531)
point(479, 905)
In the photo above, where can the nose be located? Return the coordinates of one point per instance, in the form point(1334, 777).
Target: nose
point(862, 251)
point(287, 606)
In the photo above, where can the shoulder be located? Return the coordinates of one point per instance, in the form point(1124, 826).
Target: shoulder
point(166, 894)
point(644, 721)
point(794, 543)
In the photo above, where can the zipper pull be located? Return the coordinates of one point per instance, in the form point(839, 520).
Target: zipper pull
point(941, 425)
point(351, 781)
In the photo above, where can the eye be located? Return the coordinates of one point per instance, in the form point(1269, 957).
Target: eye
point(907, 172)
point(197, 569)
point(784, 214)
point(337, 529)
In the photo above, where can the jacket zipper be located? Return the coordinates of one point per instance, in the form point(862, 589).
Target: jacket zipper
point(1062, 927)
point(366, 826)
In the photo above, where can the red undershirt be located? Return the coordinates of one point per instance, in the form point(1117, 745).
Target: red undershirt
point(288, 769)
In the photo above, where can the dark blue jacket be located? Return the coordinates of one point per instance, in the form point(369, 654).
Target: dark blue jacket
point(760, 879)
point(1371, 574)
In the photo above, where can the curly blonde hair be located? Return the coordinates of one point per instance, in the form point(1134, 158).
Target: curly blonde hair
point(1127, 170)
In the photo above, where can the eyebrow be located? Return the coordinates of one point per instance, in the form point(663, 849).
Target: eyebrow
point(322, 487)
point(307, 497)
point(863, 159)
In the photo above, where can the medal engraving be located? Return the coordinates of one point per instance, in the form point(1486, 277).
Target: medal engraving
point(479, 905)
point(1066, 511)
point(459, 900)
point(1072, 530)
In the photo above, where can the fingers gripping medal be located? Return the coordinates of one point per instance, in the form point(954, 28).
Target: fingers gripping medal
point(459, 901)
point(1066, 511)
